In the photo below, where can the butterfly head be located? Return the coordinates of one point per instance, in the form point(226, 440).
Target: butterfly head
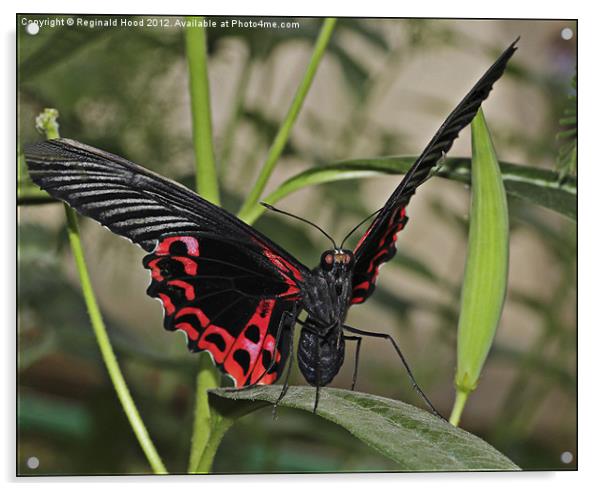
point(337, 260)
point(337, 266)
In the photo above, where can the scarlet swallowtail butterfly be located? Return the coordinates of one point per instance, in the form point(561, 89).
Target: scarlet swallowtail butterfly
point(234, 292)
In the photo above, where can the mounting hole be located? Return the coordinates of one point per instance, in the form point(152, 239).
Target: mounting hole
point(33, 462)
point(566, 457)
point(566, 34)
point(32, 28)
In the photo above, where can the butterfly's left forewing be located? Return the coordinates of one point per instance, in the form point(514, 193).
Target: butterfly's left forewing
point(227, 286)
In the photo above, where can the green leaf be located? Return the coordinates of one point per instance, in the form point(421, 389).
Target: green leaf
point(411, 437)
point(566, 160)
point(486, 270)
point(538, 186)
point(542, 187)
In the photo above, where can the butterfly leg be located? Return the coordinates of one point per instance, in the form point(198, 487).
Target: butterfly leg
point(403, 360)
point(358, 341)
point(286, 377)
point(319, 377)
point(322, 334)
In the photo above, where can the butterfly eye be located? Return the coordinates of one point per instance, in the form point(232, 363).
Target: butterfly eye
point(348, 260)
point(327, 261)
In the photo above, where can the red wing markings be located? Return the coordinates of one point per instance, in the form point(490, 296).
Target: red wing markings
point(191, 244)
point(357, 289)
point(246, 356)
point(385, 251)
point(190, 266)
point(187, 287)
point(259, 374)
point(191, 248)
point(218, 341)
point(363, 238)
point(290, 274)
point(167, 304)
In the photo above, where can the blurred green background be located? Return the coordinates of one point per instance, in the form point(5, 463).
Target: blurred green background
point(383, 88)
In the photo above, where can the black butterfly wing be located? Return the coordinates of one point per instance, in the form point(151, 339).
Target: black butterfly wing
point(222, 282)
point(378, 243)
point(226, 303)
point(128, 199)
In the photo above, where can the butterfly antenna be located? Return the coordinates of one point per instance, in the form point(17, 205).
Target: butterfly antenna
point(273, 208)
point(359, 225)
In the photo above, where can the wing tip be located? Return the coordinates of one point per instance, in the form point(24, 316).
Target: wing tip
point(509, 51)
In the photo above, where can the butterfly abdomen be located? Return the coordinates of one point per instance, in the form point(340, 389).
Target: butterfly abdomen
point(319, 365)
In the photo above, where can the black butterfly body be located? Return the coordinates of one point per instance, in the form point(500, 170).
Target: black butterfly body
point(234, 292)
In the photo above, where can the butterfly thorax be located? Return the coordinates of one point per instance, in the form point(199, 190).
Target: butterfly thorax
point(327, 296)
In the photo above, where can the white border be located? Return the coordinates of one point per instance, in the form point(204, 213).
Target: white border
point(589, 245)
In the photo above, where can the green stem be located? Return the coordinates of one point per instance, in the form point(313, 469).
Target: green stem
point(28, 194)
point(459, 403)
point(201, 457)
point(47, 122)
point(21, 173)
point(207, 187)
point(106, 349)
point(196, 52)
point(218, 430)
point(287, 125)
point(33, 199)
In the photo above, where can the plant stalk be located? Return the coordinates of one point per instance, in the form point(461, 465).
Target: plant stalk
point(283, 134)
point(459, 403)
point(207, 187)
point(196, 53)
point(47, 122)
point(201, 456)
point(108, 355)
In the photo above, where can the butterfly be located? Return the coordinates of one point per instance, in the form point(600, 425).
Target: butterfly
point(234, 292)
